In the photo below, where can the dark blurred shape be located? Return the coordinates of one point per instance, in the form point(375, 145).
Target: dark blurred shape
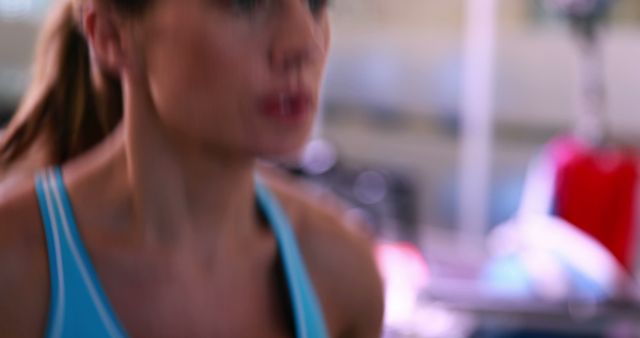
point(584, 15)
point(384, 197)
point(520, 333)
point(5, 114)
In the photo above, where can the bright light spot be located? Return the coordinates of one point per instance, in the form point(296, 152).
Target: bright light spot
point(405, 274)
point(319, 157)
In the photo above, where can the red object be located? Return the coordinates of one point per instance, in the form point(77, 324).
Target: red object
point(595, 190)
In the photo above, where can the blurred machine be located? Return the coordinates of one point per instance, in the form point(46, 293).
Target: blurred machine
point(593, 178)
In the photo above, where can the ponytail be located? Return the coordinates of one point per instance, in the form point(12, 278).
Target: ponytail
point(67, 104)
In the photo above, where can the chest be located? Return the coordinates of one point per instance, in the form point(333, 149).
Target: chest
point(237, 299)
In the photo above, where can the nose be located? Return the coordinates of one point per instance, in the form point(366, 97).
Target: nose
point(298, 39)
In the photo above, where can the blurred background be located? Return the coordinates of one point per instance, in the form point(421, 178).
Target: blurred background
point(491, 144)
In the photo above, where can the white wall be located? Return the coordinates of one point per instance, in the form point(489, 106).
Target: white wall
point(16, 48)
point(415, 72)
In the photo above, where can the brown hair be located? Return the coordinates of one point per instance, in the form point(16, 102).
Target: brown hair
point(67, 104)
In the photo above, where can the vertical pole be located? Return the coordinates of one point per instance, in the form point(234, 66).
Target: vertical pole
point(477, 108)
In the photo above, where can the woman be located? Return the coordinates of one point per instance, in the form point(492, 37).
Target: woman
point(164, 230)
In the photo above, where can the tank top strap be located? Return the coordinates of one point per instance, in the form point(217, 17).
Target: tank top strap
point(309, 319)
point(78, 305)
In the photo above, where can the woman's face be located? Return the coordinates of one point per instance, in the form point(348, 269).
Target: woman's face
point(238, 76)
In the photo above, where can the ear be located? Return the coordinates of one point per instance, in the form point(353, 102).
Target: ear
point(100, 25)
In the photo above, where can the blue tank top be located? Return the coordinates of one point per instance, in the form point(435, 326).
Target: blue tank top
point(79, 307)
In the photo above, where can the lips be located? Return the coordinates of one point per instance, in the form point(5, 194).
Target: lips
point(288, 108)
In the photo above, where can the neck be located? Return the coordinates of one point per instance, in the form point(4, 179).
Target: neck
point(179, 189)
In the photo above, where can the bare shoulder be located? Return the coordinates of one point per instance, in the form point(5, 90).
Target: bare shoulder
point(20, 224)
point(338, 255)
point(23, 264)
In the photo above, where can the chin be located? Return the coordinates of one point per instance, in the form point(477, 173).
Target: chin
point(282, 152)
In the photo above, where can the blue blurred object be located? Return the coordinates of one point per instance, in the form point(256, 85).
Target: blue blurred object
point(508, 277)
point(542, 258)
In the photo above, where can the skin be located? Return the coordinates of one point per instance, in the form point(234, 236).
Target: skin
point(174, 233)
point(25, 168)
